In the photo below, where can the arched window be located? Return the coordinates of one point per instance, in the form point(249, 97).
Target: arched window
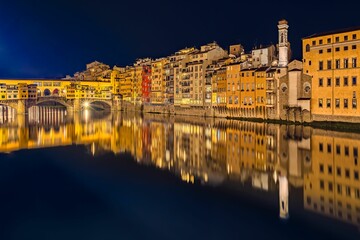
point(307, 48)
point(282, 38)
point(47, 92)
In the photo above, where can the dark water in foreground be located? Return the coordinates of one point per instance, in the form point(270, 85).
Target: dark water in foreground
point(131, 177)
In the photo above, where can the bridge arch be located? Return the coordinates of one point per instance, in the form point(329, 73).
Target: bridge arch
point(52, 102)
point(97, 104)
point(56, 91)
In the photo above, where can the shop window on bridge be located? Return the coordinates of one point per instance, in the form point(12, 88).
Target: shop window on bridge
point(46, 84)
point(56, 84)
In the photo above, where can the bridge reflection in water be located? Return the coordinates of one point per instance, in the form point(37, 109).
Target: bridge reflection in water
point(317, 169)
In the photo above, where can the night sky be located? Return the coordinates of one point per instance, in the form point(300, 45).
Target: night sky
point(55, 38)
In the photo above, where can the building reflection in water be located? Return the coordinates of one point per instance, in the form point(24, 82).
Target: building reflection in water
point(274, 159)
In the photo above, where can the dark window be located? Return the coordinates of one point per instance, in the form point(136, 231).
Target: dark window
point(329, 64)
point(330, 169)
point(338, 149)
point(345, 103)
point(356, 175)
point(320, 51)
point(320, 103)
point(309, 63)
point(346, 81)
point(329, 148)
point(345, 38)
point(329, 82)
point(330, 186)
point(320, 41)
point(322, 184)
point(337, 49)
point(347, 173)
point(346, 151)
point(337, 39)
point(321, 147)
point(353, 47)
point(354, 81)
point(320, 82)
point(329, 40)
point(338, 171)
point(339, 189)
point(346, 63)
point(354, 62)
point(337, 81)
point(321, 65)
point(354, 36)
point(328, 50)
point(321, 168)
point(355, 151)
point(346, 48)
point(313, 43)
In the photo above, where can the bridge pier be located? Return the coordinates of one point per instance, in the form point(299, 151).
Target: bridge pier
point(22, 107)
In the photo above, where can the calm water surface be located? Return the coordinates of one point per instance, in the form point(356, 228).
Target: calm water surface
point(125, 176)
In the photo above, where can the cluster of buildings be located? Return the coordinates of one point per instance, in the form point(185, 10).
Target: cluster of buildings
point(213, 81)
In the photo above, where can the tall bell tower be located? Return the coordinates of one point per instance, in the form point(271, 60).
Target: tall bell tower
point(283, 43)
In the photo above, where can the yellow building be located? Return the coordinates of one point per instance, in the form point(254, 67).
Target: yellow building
point(332, 187)
point(260, 92)
point(247, 95)
point(219, 87)
point(233, 85)
point(158, 81)
point(332, 60)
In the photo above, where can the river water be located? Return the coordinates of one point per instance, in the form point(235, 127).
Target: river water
point(99, 175)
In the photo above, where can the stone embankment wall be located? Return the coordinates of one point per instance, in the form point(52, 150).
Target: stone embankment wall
point(290, 115)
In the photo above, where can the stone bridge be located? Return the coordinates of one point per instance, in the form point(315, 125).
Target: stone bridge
point(21, 106)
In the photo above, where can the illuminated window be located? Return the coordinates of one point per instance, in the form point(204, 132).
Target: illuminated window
point(337, 103)
point(345, 103)
point(337, 63)
point(328, 103)
point(354, 62)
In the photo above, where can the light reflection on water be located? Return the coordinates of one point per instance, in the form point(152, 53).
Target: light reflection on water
point(277, 159)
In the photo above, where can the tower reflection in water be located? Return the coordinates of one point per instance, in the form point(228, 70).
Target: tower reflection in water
point(273, 159)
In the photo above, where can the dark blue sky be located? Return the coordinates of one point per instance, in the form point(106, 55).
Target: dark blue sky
point(55, 38)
